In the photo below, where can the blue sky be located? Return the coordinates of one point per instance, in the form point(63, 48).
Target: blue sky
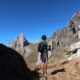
point(34, 17)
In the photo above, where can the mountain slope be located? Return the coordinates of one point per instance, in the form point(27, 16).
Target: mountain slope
point(59, 67)
point(65, 36)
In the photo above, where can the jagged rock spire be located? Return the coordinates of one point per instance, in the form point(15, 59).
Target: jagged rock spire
point(19, 43)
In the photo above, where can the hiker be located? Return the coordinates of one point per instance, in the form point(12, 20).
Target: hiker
point(72, 27)
point(43, 49)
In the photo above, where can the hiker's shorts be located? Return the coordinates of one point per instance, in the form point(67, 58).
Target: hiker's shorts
point(44, 57)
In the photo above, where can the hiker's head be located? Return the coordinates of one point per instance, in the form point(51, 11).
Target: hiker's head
point(44, 37)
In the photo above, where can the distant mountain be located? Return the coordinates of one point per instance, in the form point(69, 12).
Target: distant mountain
point(25, 48)
point(19, 44)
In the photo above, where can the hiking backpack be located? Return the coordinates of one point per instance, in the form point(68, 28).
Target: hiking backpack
point(43, 47)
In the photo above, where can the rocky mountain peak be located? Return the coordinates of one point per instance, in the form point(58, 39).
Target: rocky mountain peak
point(20, 42)
point(76, 16)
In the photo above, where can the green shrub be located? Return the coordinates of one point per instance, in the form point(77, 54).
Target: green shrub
point(68, 53)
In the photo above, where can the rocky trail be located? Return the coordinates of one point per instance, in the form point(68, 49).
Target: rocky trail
point(69, 70)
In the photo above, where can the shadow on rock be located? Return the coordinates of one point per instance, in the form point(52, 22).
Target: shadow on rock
point(57, 71)
point(13, 66)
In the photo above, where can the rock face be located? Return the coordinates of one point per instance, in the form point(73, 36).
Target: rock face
point(62, 39)
point(19, 44)
point(75, 46)
point(13, 66)
point(75, 50)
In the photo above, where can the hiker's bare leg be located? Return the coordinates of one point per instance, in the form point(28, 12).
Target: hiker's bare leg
point(43, 68)
point(46, 68)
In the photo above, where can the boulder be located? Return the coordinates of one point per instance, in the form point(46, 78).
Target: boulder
point(75, 46)
point(13, 66)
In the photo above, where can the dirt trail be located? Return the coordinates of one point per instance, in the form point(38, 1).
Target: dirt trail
point(66, 71)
